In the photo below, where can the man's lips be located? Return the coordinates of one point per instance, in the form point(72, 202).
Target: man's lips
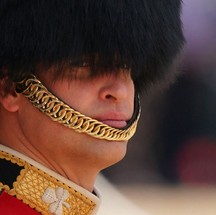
point(115, 120)
point(115, 123)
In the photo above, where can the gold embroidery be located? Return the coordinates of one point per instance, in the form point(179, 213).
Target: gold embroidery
point(4, 187)
point(32, 183)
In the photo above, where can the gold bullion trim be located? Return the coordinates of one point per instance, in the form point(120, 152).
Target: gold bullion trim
point(32, 183)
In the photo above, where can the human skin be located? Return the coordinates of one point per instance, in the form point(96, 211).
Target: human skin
point(78, 157)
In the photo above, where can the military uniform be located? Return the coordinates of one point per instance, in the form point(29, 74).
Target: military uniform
point(29, 188)
point(23, 180)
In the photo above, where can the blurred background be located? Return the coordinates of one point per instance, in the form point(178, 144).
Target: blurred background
point(170, 167)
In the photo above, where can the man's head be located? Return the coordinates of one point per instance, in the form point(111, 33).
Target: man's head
point(100, 48)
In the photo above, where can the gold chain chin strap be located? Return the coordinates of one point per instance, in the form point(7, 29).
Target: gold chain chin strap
point(60, 112)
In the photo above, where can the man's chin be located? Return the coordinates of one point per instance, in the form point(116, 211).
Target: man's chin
point(115, 152)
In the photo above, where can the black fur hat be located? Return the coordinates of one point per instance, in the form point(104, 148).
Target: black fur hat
point(144, 35)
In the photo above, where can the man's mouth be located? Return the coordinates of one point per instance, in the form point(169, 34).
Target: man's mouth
point(115, 123)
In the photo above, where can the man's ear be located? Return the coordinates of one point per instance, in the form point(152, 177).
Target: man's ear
point(8, 96)
point(10, 102)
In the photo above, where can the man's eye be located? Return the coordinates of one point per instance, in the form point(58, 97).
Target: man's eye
point(85, 64)
point(125, 66)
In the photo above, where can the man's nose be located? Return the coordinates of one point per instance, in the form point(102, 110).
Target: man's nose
point(116, 89)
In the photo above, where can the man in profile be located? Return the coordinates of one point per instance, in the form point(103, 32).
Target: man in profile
point(70, 77)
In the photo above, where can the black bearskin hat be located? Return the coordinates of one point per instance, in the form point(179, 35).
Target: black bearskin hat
point(143, 35)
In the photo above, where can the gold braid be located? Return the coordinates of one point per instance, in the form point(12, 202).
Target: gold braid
point(60, 112)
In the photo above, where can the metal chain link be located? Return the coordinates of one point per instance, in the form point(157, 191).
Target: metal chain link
point(60, 112)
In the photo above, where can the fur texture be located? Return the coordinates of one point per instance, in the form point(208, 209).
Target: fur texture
point(144, 35)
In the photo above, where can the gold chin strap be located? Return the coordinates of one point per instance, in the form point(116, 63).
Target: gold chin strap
point(60, 112)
